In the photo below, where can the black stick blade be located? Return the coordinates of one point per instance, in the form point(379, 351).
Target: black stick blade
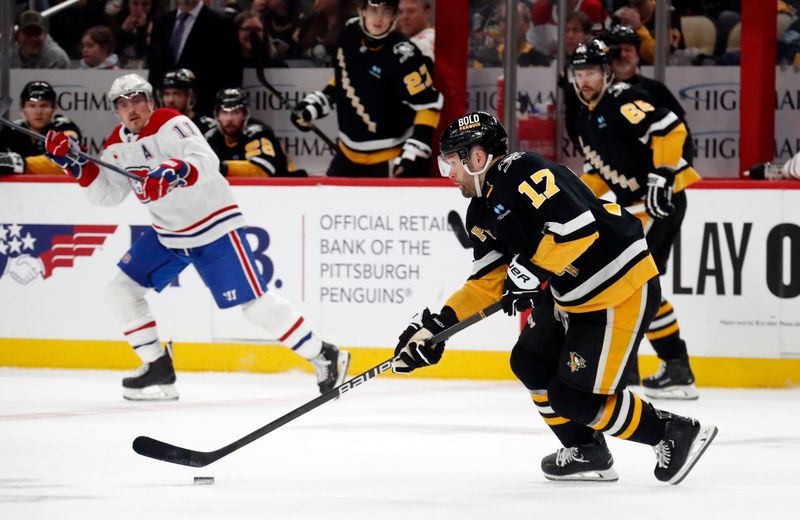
point(158, 450)
point(454, 219)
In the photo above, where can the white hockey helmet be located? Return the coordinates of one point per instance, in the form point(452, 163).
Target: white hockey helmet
point(129, 85)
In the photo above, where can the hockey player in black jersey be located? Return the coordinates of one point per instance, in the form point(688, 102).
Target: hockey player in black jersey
point(20, 153)
point(386, 105)
point(541, 236)
point(634, 147)
point(178, 91)
point(246, 147)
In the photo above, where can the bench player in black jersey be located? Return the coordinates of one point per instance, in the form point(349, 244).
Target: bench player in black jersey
point(20, 153)
point(533, 221)
point(386, 105)
point(246, 147)
point(178, 91)
point(635, 147)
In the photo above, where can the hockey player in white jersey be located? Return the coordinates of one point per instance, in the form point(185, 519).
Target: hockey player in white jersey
point(195, 220)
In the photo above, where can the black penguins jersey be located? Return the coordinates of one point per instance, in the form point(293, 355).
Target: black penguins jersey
point(383, 94)
point(204, 123)
point(32, 149)
point(624, 137)
point(257, 146)
point(593, 253)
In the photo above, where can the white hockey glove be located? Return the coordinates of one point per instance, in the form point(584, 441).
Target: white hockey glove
point(658, 202)
point(411, 159)
point(11, 162)
point(314, 105)
point(412, 351)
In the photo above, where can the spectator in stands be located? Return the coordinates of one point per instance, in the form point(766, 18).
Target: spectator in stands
point(282, 20)
point(20, 153)
point(577, 29)
point(256, 51)
point(130, 31)
point(97, 49)
point(544, 20)
point(197, 38)
point(641, 16)
point(178, 91)
point(526, 55)
point(35, 49)
point(246, 147)
point(414, 21)
point(320, 32)
point(484, 35)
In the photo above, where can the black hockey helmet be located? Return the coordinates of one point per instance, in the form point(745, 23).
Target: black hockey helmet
point(394, 4)
point(374, 39)
point(230, 99)
point(183, 79)
point(475, 128)
point(623, 34)
point(592, 52)
point(38, 90)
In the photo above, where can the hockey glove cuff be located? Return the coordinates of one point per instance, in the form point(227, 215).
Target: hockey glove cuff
point(11, 163)
point(522, 288)
point(314, 106)
point(412, 159)
point(63, 151)
point(658, 202)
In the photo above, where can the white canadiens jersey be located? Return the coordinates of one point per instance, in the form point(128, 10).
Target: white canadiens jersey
point(186, 217)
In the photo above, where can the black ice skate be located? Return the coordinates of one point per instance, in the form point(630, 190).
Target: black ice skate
point(673, 380)
point(152, 381)
point(586, 462)
point(684, 442)
point(331, 366)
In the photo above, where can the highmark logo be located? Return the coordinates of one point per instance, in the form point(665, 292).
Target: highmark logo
point(711, 96)
point(78, 98)
point(30, 251)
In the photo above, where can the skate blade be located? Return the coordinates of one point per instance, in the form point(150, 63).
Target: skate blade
point(603, 475)
point(151, 393)
point(678, 392)
point(698, 447)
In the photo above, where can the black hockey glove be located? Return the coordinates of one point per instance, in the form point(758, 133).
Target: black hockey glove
point(765, 171)
point(522, 288)
point(412, 160)
point(658, 202)
point(412, 351)
point(314, 105)
point(11, 162)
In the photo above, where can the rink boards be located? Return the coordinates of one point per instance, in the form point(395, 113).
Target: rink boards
point(360, 259)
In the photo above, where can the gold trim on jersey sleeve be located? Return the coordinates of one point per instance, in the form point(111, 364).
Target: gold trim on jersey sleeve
point(556, 256)
point(595, 183)
point(428, 118)
point(369, 158)
point(478, 293)
point(41, 165)
point(244, 169)
point(685, 178)
point(668, 149)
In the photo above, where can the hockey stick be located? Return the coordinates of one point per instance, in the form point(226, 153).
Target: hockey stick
point(79, 153)
point(257, 44)
point(454, 219)
point(159, 450)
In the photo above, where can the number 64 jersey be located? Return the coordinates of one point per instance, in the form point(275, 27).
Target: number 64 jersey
point(592, 251)
point(189, 216)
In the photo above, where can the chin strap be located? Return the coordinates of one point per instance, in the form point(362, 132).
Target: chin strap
point(476, 176)
point(592, 104)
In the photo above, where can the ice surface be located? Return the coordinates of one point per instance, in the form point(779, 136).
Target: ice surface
point(391, 449)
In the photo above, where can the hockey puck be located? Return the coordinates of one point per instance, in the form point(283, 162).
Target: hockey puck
point(203, 481)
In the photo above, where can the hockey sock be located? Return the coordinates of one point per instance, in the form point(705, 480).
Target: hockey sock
point(622, 414)
point(665, 335)
point(126, 300)
point(282, 322)
point(568, 432)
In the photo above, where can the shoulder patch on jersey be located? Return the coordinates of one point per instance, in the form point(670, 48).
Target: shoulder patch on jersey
point(157, 120)
point(252, 129)
point(618, 88)
point(507, 160)
point(60, 119)
point(404, 49)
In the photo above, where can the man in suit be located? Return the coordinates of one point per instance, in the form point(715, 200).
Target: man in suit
point(197, 38)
